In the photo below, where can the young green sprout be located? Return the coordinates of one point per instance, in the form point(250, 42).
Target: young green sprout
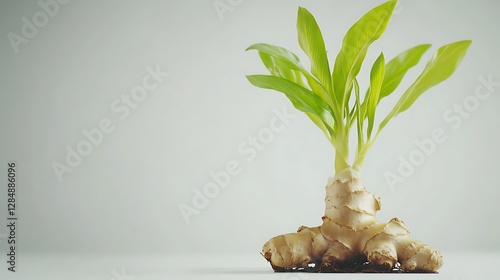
point(350, 234)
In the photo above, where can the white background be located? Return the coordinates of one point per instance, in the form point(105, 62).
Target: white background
point(124, 197)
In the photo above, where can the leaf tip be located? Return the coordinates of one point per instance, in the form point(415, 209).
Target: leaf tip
point(426, 46)
point(464, 42)
point(303, 12)
point(467, 42)
point(250, 78)
point(251, 47)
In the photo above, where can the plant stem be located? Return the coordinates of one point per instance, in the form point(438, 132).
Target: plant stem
point(340, 162)
point(341, 147)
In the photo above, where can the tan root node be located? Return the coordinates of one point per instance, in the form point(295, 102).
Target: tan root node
point(351, 239)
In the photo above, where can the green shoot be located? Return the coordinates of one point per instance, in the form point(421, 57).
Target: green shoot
point(325, 95)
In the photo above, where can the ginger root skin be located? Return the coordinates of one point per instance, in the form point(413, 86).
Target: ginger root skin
point(351, 234)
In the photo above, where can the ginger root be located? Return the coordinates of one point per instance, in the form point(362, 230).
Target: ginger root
point(350, 234)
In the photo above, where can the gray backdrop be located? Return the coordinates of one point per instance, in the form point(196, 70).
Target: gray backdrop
point(164, 83)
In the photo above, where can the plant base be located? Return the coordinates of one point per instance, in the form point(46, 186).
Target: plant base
point(361, 267)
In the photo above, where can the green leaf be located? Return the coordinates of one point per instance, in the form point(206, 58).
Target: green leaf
point(325, 97)
point(397, 68)
point(359, 118)
point(376, 78)
point(311, 42)
point(302, 99)
point(289, 59)
point(268, 62)
point(318, 122)
point(355, 45)
point(277, 68)
point(286, 56)
point(439, 68)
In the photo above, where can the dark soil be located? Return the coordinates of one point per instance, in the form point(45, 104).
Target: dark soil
point(365, 267)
